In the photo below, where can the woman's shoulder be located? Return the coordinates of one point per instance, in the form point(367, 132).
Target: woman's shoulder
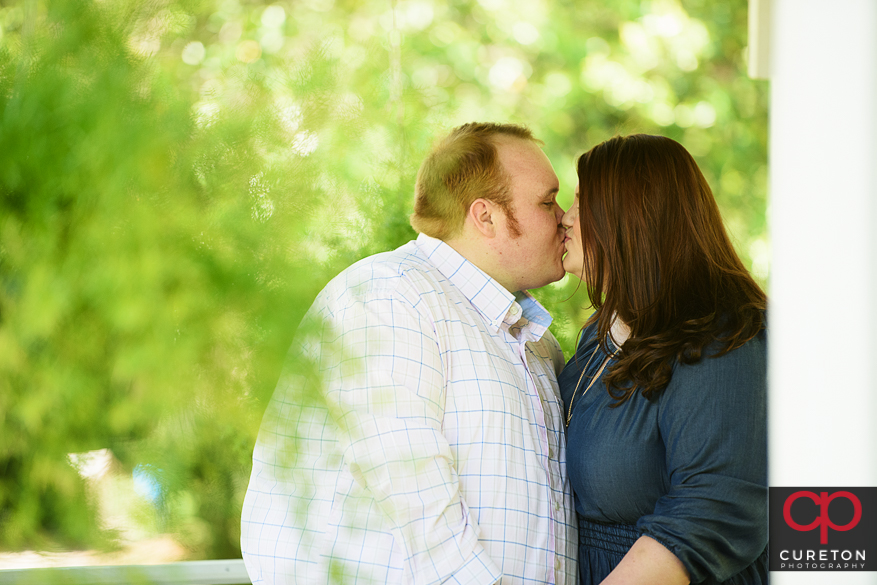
point(752, 350)
point(741, 371)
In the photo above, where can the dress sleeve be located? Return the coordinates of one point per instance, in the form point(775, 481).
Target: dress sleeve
point(384, 381)
point(712, 419)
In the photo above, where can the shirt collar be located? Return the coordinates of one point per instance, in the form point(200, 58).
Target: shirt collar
point(533, 311)
point(498, 306)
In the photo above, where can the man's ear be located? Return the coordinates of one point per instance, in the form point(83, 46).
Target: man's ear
point(482, 213)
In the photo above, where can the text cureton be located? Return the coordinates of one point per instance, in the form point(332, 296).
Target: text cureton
point(822, 555)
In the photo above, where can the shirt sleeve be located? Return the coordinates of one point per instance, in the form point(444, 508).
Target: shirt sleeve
point(385, 385)
point(713, 422)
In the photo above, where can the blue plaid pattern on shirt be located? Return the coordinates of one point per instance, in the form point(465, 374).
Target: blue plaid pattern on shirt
point(435, 450)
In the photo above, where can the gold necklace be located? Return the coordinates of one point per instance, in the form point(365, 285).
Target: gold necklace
point(594, 379)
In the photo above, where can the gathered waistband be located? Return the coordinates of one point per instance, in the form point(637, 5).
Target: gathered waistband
point(614, 538)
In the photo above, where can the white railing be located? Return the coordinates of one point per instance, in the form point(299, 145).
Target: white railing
point(226, 572)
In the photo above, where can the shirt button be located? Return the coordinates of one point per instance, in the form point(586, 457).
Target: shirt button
point(557, 564)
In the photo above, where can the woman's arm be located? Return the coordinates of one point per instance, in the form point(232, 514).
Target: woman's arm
point(648, 562)
point(712, 420)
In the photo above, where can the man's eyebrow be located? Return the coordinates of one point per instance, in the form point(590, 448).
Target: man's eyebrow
point(551, 192)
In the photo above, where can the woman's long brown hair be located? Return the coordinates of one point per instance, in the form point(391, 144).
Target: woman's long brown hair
point(656, 254)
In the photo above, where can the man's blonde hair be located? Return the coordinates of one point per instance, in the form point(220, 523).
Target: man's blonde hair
point(461, 168)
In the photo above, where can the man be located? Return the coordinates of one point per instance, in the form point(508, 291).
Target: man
point(434, 449)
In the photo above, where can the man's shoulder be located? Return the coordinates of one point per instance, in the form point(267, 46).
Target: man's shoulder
point(405, 270)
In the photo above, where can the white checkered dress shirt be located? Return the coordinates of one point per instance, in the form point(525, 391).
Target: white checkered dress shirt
point(435, 452)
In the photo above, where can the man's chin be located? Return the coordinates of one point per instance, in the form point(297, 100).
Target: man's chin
point(555, 278)
point(539, 284)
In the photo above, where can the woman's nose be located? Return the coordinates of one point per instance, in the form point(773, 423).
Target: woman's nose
point(568, 218)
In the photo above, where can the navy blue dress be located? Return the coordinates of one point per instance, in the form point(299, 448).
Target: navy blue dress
point(689, 469)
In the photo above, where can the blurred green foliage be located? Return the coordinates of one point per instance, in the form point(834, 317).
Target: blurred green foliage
point(179, 178)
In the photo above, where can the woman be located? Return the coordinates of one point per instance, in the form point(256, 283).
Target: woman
point(665, 397)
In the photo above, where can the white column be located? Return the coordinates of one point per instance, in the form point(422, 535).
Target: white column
point(823, 214)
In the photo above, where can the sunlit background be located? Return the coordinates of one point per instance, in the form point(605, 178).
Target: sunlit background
point(179, 179)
